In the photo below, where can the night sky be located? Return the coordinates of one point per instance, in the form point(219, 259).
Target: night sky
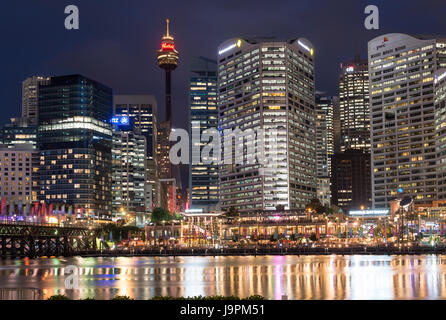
point(118, 39)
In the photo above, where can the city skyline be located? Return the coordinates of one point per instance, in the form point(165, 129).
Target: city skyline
point(233, 150)
point(135, 42)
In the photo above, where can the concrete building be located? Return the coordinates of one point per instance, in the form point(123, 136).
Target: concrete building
point(18, 166)
point(403, 152)
point(203, 115)
point(30, 98)
point(267, 85)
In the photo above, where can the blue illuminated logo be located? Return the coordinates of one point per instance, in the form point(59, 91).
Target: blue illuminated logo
point(123, 120)
point(400, 190)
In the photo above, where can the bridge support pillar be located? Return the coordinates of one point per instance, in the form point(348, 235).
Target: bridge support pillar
point(3, 239)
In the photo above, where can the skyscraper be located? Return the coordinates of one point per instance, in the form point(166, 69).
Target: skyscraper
point(268, 84)
point(142, 109)
point(168, 61)
point(324, 134)
point(440, 130)
point(324, 145)
point(30, 98)
point(129, 173)
point(203, 113)
point(336, 125)
point(74, 140)
point(354, 105)
point(350, 180)
point(401, 69)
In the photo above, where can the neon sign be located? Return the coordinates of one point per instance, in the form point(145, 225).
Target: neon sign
point(372, 212)
point(167, 46)
point(124, 120)
point(350, 69)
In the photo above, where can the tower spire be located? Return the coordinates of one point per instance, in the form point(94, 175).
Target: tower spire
point(167, 24)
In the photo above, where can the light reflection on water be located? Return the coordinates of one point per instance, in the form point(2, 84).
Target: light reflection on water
point(304, 277)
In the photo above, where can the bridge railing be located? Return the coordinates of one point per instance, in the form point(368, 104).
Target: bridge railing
point(21, 294)
point(44, 224)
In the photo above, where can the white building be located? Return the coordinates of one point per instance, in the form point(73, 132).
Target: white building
point(403, 155)
point(440, 130)
point(17, 168)
point(269, 85)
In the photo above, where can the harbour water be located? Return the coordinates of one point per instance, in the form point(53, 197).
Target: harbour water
point(296, 277)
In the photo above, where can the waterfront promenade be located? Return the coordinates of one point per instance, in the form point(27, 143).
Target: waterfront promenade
point(265, 251)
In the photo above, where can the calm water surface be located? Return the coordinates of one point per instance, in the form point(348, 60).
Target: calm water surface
point(304, 277)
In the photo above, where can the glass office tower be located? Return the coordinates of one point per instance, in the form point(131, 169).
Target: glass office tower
point(203, 115)
point(74, 140)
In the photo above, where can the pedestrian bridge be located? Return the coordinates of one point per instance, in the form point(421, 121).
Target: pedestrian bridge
point(29, 239)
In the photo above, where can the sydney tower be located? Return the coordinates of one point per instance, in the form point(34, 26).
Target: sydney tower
point(167, 60)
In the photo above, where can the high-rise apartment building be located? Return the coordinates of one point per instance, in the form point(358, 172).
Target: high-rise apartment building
point(203, 115)
point(267, 84)
point(129, 173)
point(30, 98)
point(354, 105)
point(142, 109)
point(403, 152)
point(74, 140)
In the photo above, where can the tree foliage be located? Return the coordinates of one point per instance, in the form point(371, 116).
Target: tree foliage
point(232, 212)
point(160, 215)
point(316, 206)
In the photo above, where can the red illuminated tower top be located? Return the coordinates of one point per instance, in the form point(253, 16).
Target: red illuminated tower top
point(167, 55)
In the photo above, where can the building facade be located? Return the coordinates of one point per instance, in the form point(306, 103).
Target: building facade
point(203, 115)
point(354, 105)
point(74, 140)
point(440, 131)
point(142, 109)
point(19, 131)
point(324, 134)
point(17, 175)
point(403, 152)
point(267, 92)
point(350, 180)
point(129, 176)
point(30, 98)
